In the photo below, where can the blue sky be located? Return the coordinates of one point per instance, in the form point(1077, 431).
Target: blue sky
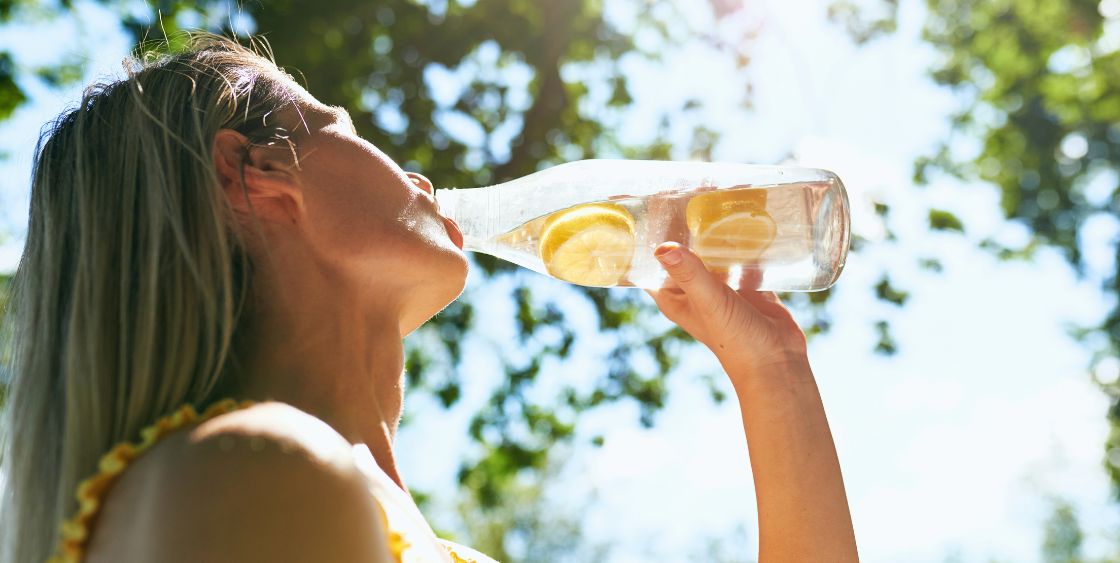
point(953, 448)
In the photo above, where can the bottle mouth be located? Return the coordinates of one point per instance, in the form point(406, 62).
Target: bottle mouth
point(445, 199)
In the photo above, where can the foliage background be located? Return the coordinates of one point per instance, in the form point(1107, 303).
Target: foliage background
point(471, 93)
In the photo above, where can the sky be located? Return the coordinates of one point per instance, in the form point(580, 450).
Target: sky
point(954, 449)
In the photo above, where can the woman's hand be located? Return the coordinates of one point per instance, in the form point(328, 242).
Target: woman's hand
point(748, 330)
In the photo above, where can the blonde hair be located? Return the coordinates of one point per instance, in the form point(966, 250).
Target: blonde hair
point(130, 291)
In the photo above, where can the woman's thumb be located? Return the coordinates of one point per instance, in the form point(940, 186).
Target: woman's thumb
point(688, 272)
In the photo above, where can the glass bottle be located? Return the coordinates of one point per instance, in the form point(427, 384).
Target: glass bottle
point(597, 222)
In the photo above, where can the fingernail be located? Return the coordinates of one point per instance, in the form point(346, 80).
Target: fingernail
point(668, 255)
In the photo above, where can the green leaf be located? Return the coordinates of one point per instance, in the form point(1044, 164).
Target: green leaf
point(886, 292)
point(62, 74)
point(931, 264)
point(886, 344)
point(448, 394)
point(940, 220)
point(11, 96)
point(620, 94)
point(865, 21)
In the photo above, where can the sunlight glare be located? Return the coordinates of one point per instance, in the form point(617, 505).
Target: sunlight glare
point(734, 276)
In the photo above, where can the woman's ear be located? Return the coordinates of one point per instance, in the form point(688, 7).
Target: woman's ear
point(257, 180)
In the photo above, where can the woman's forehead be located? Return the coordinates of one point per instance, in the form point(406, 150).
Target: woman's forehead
point(306, 110)
point(308, 113)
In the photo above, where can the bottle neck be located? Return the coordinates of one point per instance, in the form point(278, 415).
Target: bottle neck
point(476, 212)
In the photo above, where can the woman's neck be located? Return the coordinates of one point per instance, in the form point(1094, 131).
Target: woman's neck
point(314, 350)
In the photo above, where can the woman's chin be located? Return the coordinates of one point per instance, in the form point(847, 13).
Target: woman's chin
point(457, 281)
point(462, 270)
point(442, 290)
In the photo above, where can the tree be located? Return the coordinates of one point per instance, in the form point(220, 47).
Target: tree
point(1039, 84)
point(1042, 87)
point(529, 526)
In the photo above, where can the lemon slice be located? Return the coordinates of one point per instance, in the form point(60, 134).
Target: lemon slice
point(590, 244)
point(708, 207)
point(729, 227)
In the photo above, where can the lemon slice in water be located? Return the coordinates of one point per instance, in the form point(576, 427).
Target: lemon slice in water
point(729, 227)
point(708, 207)
point(590, 244)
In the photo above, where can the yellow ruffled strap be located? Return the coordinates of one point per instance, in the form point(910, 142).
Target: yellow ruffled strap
point(463, 554)
point(397, 543)
point(455, 556)
point(75, 531)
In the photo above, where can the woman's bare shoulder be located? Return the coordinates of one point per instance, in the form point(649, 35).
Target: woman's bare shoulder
point(269, 483)
point(279, 424)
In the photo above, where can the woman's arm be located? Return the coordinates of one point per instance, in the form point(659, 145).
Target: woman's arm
point(802, 509)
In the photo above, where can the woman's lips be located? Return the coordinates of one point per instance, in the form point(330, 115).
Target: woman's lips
point(453, 232)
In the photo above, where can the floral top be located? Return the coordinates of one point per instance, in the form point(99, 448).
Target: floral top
point(411, 539)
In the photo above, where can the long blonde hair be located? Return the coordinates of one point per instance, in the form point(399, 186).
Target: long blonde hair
point(128, 297)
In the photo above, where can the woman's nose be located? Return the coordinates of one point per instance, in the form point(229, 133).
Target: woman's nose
point(421, 181)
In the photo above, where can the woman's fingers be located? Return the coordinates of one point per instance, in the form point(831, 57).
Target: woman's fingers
point(668, 296)
point(743, 327)
point(749, 282)
point(750, 279)
point(688, 272)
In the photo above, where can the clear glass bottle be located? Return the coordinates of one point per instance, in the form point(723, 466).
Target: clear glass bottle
point(597, 222)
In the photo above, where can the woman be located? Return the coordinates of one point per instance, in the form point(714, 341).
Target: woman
point(206, 234)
